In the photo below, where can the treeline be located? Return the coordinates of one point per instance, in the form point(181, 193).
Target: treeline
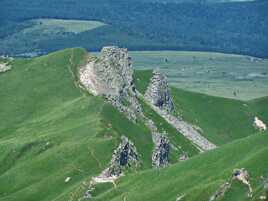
point(229, 27)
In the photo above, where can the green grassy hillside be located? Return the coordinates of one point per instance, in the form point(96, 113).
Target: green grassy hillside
point(199, 177)
point(51, 129)
point(222, 120)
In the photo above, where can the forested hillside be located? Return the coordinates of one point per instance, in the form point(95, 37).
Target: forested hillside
point(240, 27)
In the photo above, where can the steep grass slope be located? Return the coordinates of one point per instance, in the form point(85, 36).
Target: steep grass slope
point(222, 120)
point(51, 129)
point(48, 129)
point(199, 177)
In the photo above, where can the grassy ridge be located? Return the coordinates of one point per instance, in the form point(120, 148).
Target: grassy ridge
point(48, 129)
point(51, 130)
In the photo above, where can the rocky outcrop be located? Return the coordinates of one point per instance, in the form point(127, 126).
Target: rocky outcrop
point(158, 92)
point(158, 96)
point(183, 157)
point(4, 67)
point(259, 124)
point(108, 75)
point(161, 151)
point(124, 156)
point(240, 175)
point(162, 145)
point(111, 75)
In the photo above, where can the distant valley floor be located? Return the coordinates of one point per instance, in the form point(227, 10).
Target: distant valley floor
point(226, 75)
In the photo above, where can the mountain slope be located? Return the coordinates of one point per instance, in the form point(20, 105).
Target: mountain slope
point(199, 177)
point(54, 136)
point(221, 120)
point(51, 130)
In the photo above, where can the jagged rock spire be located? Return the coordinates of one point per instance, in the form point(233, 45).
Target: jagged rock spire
point(125, 155)
point(158, 92)
point(110, 74)
point(161, 151)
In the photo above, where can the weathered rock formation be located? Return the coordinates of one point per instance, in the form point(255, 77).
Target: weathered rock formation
point(240, 175)
point(4, 67)
point(108, 75)
point(158, 92)
point(161, 145)
point(158, 96)
point(111, 75)
point(124, 156)
point(259, 124)
point(161, 151)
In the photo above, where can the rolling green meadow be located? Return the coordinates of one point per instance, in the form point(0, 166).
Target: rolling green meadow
point(51, 129)
point(78, 127)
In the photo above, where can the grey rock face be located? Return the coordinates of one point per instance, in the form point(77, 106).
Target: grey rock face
point(161, 151)
point(158, 93)
point(124, 156)
point(110, 74)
